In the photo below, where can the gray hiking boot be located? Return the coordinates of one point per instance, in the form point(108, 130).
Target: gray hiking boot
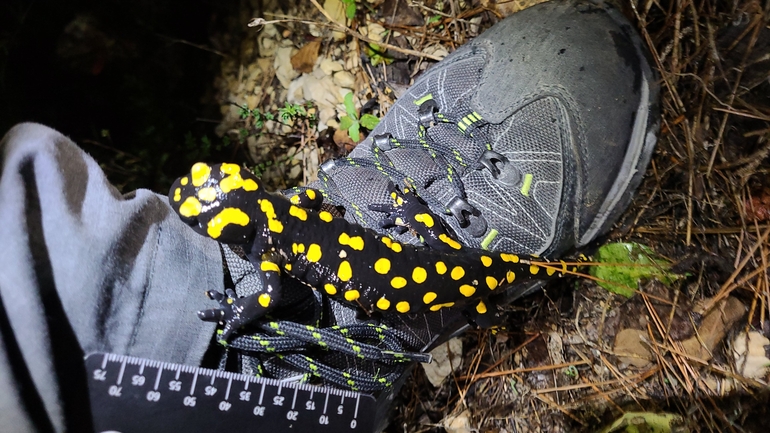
point(531, 138)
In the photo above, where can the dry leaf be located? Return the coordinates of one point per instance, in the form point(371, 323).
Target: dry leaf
point(631, 349)
point(713, 328)
point(306, 57)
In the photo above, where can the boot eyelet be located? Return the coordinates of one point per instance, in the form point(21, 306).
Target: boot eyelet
point(426, 113)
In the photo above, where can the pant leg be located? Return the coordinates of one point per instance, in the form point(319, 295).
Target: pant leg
point(83, 269)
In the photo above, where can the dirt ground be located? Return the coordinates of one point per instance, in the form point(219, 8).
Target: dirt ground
point(576, 357)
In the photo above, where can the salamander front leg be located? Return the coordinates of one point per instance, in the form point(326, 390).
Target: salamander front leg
point(407, 211)
point(235, 312)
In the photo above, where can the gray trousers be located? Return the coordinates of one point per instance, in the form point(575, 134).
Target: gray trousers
point(84, 269)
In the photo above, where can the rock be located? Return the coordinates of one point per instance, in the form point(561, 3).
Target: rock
point(446, 358)
point(436, 50)
point(329, 66)
point(336, 10)
point(325, 116)
point(252, 101)
point(284, 71)
point(750, 357)
point(374, 31)
point(345, 79)
point(458, 423)
point(267, 42)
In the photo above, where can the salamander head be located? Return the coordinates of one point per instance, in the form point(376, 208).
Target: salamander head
point(218, 201)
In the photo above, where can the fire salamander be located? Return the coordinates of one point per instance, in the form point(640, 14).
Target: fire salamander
point(344, 260)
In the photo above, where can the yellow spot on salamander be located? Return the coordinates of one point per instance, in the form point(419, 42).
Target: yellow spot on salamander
point(510, 276)
point(492, 283)
point(457, 272)
point(250, 185)
point(356, 242)
point(382, 266)
point(325, 216)
point(424, 218)
point(200, 173)
point(486, 261)
point(228, 216)
point(298, 213)
point(274, 225)
point(387, 241)
point(266, 206)
point(383, 304)
point(402, 307)
point(230, 168)
point(513, 258)
point(177, 194)
point(440, 306)
point(440, 268)
point(330, 289)
point(294, 199)
point(429, 297)
point(264, 300)
point(235, 181)
point(534, 269)
point(191, 207)
point(398, 282)
point(310, 193)
point(208, 194)
point(313, 253)
point(184, 181)
point(287, 266)
point(550, 271)
point(449, 241)
point(352, 295)
point(481, 308)
point(269, 267)
point(467, 290)
point(419, 275)
point(344, 272)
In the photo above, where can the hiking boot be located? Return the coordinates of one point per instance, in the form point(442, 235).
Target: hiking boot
point(529, 139)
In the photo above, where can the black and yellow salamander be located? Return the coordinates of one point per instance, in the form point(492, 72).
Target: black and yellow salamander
point(342, 259)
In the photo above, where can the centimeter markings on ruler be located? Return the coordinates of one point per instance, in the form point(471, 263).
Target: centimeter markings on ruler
point(130, 394)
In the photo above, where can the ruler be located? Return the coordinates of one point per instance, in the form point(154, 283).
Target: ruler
point(130, 394)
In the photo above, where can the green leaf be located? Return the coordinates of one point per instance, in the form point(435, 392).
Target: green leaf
point(377, 54)
point(350, 107)
point(635, 422)
point(626, 265)
point(353, 131)
point(346, 122)
point(434, 19)
point(369, 121)
point(350, 10)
